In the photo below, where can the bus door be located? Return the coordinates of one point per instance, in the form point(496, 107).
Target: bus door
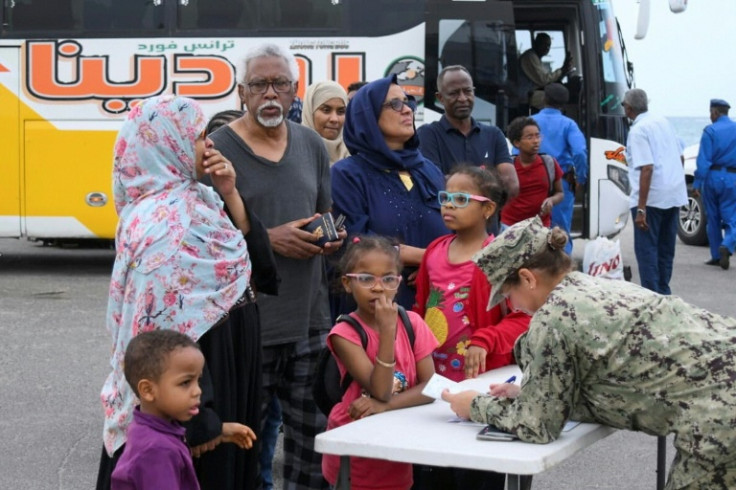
point(480, 37)
point(10, 212)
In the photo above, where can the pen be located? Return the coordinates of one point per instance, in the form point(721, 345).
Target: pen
point(511, 379)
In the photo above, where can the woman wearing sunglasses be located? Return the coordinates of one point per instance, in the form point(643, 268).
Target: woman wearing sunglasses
point(387, 187)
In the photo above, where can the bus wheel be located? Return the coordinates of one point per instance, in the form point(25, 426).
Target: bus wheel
point(691, 224)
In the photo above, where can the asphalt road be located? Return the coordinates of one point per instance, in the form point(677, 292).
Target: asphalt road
point(54, 355)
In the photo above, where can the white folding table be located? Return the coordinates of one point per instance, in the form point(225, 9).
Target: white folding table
point(424, 435)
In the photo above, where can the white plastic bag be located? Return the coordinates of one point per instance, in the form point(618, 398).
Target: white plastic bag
point(603, 259)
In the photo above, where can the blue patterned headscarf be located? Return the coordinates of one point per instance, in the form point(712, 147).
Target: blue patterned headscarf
point(180, 264)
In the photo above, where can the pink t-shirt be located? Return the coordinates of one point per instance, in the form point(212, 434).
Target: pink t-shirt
point(365, 472)
point(445, 310)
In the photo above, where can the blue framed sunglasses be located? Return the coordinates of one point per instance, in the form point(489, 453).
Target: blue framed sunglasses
point(459, 199)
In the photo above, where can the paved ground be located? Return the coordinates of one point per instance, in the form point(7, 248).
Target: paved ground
point(54, 354)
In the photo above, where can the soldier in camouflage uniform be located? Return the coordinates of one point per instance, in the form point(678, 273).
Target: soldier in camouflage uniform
point(612, 353)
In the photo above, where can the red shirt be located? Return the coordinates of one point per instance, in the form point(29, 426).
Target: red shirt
point(533, 190)
point(494, 330)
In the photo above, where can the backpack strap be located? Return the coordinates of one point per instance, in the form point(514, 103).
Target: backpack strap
point(549, 163)
point(363, 341)
point(407, 325)
point(364, 338)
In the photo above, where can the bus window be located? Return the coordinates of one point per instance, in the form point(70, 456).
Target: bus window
point(131, 15)
point(87, 15)
point(260, 14)
point(387, 16)
point(301, 14)
point(556, 56)
point(484, 48)
point(34, 15)
point(612, 62)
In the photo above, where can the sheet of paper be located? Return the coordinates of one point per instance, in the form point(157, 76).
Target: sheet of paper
point(437, 384)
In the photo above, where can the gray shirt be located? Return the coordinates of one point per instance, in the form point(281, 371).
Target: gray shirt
point(295, 187)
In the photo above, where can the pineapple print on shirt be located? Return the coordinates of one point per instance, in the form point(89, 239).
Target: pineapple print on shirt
point(446, 317)
point(434, 316)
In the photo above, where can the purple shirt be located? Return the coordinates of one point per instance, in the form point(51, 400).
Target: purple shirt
point(155, 457)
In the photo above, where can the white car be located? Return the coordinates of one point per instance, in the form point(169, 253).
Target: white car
point(691, 225)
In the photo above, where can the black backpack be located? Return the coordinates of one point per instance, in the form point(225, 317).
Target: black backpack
point(327, 388)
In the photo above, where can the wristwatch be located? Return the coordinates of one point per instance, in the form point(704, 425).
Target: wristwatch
point(641, 211)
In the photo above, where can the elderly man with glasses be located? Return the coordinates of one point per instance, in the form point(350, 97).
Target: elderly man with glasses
point(284, 176)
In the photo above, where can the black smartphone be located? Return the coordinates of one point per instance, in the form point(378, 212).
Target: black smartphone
point(490, 433)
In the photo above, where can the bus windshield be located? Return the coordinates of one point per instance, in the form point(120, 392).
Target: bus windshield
point(613, 68)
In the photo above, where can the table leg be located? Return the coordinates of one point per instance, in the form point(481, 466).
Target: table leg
point(518, 482)
point(343, 477)
point(661, 461)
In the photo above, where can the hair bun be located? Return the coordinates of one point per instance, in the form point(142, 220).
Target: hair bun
point(556, 239)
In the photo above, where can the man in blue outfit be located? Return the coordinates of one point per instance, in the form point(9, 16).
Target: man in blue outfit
point(458, 138)
point(657, 190)
point(715, 179)
point(563, 140)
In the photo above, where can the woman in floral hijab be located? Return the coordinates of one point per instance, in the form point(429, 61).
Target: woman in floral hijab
point(182, 264)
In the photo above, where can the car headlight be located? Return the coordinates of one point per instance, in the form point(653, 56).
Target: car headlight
point(620, 177)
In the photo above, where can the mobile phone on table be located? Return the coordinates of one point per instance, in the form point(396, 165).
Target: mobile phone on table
point(491, 433)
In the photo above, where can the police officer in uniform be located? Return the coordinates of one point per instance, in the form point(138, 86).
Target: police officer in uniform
point(609, 352)
point(715, 179)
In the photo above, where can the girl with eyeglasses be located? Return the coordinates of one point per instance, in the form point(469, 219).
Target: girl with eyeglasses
point(390, 372)
point(452, 296)
point(387, 187)
point(536, 195)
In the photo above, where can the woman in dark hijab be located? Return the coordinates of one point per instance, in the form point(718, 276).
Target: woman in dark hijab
point(387, 187)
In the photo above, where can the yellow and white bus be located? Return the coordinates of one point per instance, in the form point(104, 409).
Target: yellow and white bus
point(69, 70)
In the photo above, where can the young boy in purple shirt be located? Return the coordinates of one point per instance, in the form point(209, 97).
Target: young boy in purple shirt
point(163, 368)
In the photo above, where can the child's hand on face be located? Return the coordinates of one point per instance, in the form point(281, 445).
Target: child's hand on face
point(238, 434)
point(504, 390)
point(385, 314)
point(365, 406)
point(475, 361)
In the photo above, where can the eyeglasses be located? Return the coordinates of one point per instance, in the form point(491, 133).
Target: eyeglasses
point(280, 85)
point(398, 105)
point(459, 199)
point(532, 137)
point(369, 281)
point(466, 91)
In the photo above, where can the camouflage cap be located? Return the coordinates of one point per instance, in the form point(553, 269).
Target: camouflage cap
point(509, 251)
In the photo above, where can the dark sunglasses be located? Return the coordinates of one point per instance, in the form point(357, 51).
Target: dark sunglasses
point(398, 104)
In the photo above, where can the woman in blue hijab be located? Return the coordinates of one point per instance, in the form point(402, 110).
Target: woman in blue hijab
point(387, 187)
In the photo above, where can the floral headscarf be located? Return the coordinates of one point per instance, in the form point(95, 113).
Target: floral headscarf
point(180, 264)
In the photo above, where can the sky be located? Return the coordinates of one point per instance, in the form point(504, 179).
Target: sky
point(686, 59)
